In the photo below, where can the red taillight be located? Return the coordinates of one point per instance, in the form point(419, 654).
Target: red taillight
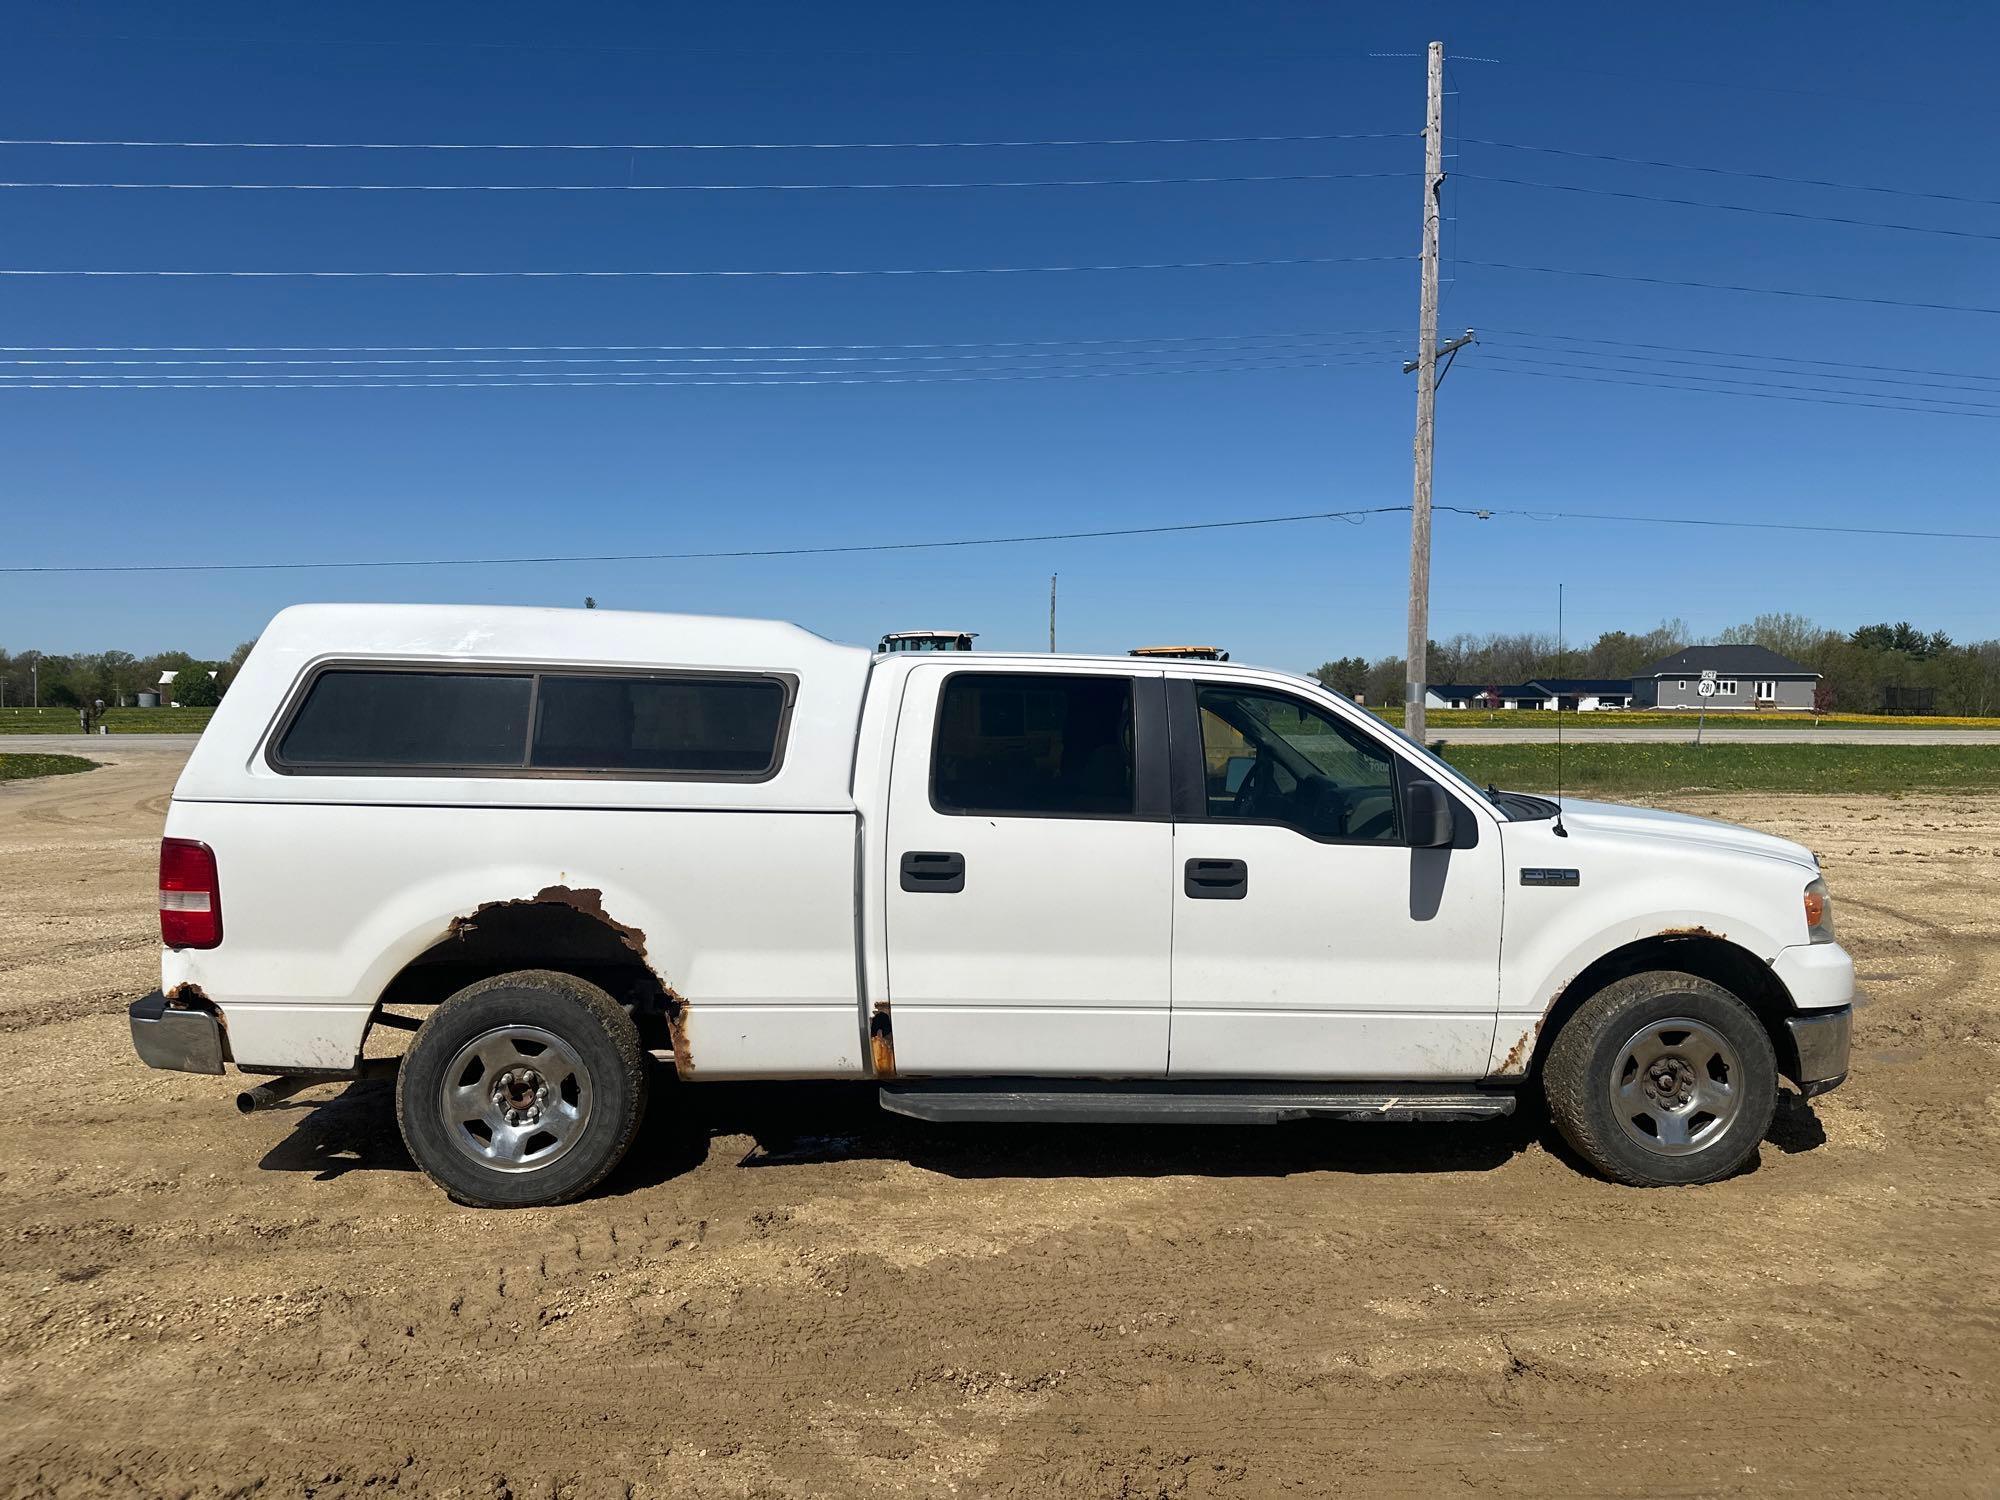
point(190, 895)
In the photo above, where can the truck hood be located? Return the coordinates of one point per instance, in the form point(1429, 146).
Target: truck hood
point(1593, 818)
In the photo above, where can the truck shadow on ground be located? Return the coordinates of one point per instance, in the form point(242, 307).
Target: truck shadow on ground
point(803, 1124)
point(355, 1131)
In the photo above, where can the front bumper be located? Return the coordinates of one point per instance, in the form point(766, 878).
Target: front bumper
point(1820, 1044)
point(167, 1036)
point(1818, 976)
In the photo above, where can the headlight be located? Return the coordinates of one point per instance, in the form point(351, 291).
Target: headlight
point(1819, 912)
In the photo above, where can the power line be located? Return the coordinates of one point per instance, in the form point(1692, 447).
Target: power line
point(1166, 140)
point(1723, 286)
point(1815, 527)
point(1354, 516)
point(1731, 208)
point(677, 274)
point(1108, 363)
point(668, 348)
point(1739, 354)
point(1878, 400)
point(745, 552)
point(1716, 364)
point(1627, 369)
point(1683, 166)
point(1222, 346)
point(694, 187)
point(613, 380)
point(1509, 368)
point(264, 369)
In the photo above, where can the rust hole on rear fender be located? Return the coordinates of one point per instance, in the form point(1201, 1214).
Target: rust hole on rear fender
point(586, 900)
point(560, 946)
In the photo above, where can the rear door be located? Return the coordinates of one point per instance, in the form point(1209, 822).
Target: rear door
point(1030, 852)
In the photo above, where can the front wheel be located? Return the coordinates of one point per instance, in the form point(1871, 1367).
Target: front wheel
point(1662, 1080)
point(522, 1090)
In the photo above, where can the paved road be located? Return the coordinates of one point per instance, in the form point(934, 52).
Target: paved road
point(99, 746)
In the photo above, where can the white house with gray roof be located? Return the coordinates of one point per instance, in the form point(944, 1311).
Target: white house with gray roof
point(1746, 677)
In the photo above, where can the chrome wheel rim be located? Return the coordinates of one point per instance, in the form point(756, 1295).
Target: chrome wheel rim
point(1677, 1086)
point(516, 1098)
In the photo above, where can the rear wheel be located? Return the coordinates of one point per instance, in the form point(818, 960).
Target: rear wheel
point(1662, 1079)
point(521, 1090)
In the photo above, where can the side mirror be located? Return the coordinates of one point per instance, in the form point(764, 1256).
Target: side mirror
point(1429, 814)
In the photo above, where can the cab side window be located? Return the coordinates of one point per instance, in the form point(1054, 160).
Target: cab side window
point(1034, 745)
point(1270, 758)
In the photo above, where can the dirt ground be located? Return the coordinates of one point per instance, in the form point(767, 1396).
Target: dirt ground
point(812, 1298)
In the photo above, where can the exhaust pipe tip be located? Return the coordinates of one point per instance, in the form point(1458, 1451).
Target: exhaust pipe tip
point(270, 1092)
point(276, 1090)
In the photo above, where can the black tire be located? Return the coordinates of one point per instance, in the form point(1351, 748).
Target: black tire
point(1694, 1113)
point(560, 1048)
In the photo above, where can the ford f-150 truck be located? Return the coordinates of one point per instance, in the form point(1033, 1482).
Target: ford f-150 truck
point(1086, 889)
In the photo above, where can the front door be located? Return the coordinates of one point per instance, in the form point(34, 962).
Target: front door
point(1030, 858)
point(1310, 940)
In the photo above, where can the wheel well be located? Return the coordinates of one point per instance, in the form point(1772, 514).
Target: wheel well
point(1703, 955)
point(553, 930)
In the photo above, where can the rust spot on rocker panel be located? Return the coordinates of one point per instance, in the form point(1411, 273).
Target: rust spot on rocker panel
point(677, 1030)
point(588, 901)
point(1522, 1052)
point(882, 1041)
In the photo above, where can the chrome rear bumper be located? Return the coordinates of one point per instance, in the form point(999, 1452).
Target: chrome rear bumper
point(165, 1036)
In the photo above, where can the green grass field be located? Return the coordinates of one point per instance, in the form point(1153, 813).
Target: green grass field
point(117, 720)
point(1437, 719)
point(21, 767)
point(1641, 769)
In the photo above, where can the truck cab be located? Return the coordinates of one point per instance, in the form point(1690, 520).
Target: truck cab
point(995, 886)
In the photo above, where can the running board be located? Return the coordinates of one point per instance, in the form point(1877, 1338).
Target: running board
point(1094, 1102)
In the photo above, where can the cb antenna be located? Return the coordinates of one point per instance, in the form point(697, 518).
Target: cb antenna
point(1560, 831)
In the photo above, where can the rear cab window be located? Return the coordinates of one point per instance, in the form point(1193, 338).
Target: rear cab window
point(1035, 745)
point(356, 720)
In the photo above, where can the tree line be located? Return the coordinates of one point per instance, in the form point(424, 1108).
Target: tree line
point(1877, 668)
point(116, 677)
point(1880, 668)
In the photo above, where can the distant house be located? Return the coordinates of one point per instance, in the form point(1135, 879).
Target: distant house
point(1585, 694)
point(163, 695)
point(1472, 695)
point(1574, 694)
point(1746, 677)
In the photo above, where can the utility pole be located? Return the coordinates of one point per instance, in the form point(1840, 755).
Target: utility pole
point(1416, 670)
point(1052, 611)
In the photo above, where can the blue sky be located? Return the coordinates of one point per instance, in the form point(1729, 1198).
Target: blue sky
point(1838, 91)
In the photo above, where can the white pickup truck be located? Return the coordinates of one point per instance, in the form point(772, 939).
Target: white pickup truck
point(1069, 888)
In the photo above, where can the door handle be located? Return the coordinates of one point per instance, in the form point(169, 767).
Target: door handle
point(1217, 879)
point(932, 871)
